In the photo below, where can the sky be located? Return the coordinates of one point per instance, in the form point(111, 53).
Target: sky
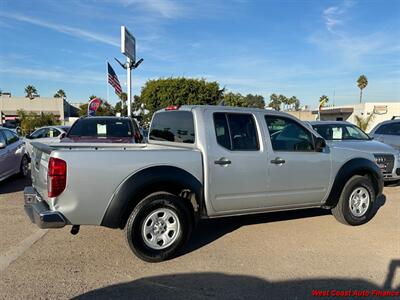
point(303, 48)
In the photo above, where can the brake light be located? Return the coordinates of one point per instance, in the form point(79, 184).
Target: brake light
point(172, 107)
point(137, 136)
point(56, 177)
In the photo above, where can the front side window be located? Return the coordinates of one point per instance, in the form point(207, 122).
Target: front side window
point(288, 135)
point(2, 138)
point(340, 132)
point(389, 129)
point(38, 134)
point(236, 132)
point(10, 137)
point(173, 126)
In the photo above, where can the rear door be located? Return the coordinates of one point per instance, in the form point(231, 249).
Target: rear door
point(297, 174)
point(236, 162)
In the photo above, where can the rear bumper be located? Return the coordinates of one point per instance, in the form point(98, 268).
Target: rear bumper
point(39, 212)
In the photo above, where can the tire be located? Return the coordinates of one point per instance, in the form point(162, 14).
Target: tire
point(158, 227)
point(24, 167)
point(359, 210)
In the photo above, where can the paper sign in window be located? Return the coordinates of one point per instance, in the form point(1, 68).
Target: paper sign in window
point(337, 133)
point(101, 129)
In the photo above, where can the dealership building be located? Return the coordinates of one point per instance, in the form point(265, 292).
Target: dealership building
point(381, 111)
point(9, 107)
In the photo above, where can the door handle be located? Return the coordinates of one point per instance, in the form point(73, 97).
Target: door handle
point(278, 161)
point(222, 161)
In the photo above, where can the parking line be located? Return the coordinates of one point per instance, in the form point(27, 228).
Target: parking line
point(13, 254)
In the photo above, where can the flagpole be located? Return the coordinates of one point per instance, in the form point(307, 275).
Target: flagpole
point(108, 89)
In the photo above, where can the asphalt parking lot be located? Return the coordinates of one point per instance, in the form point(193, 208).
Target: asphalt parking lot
point(270, 256)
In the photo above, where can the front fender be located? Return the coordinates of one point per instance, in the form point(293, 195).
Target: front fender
point(356, 166)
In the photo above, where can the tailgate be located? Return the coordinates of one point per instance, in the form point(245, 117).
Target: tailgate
point(39, 166)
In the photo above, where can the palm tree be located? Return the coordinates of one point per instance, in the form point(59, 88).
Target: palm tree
point(60, 94)
point(323, 100)
point(362, 83)
point(274, 102)
point(30, 91)
point(363, 123)
point(284, 100)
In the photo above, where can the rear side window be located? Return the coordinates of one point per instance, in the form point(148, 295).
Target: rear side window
point(390, 129)
point(173, 126)
point(236, 132)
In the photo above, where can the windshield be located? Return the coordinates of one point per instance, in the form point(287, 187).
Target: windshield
point(338, 132)
point(97, 127)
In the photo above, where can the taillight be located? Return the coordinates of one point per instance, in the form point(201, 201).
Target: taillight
point(137, 136)
point(172, 107)
point(56, 177)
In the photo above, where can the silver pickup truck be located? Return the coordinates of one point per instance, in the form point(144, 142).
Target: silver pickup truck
point(199, 162)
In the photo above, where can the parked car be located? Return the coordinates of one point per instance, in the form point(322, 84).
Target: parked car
point(352, 137)
point(199, 162)
point(13, 159)
point(12, 125)
point(388, 132)
point(47, 134)
point(103, 130)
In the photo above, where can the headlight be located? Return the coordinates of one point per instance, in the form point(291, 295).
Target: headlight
point(380, 160)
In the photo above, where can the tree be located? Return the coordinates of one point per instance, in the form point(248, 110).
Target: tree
point(30, 91)
point(105, 109)
point(275, 102)
point(163, 92)
point(254, 101)
point(363, 123)
point(323, 100)
point(60, 94)
point(362, 83)
point(92, 97)
point(283, 100)
point(294, 103)
point(232, 99)
point(30, 121)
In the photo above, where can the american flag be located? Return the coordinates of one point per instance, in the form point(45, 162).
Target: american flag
point(113, 80)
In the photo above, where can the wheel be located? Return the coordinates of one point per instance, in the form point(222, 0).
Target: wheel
point(24, 168)
point(355, 203)
point(158, 227)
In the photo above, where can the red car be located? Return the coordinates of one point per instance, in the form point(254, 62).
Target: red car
point(103, 130)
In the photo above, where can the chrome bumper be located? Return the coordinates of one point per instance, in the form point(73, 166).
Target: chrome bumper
point(39, 212)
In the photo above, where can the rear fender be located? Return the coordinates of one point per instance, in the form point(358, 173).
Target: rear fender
point(145, 182)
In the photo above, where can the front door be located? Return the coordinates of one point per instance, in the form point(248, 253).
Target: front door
point(298, 175)
point(236, 163)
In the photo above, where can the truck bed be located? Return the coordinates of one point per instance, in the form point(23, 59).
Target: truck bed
point(95, 171)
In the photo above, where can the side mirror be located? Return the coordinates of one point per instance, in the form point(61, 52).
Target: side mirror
point(28, 136)
point(320, 144)
point(371, 136)
point(63, 135)
point(2, 145)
